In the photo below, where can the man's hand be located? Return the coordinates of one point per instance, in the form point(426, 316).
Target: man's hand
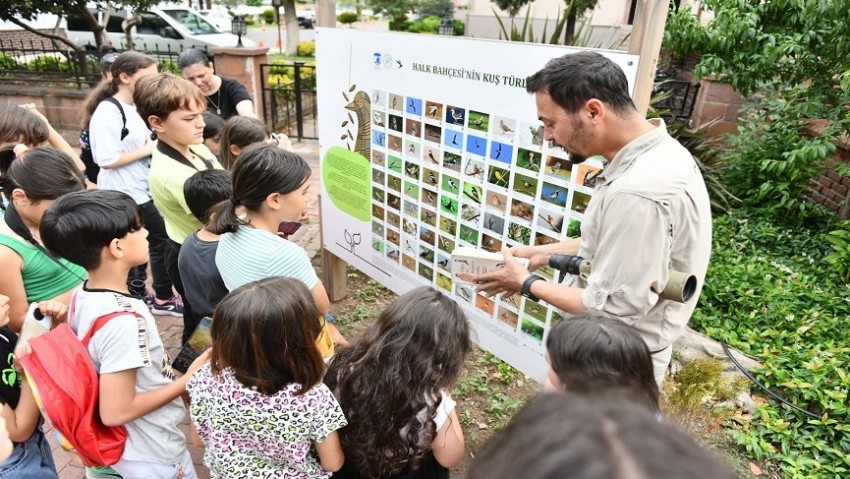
point(535, 258)
point(506, 281)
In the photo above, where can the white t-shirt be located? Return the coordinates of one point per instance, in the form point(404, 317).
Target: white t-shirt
point(107, 146)
point(133, 342)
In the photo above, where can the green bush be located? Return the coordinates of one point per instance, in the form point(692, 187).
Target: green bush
point(768, 294)
point(250, 20)
point(282, 79)
point(347, 17)
point(7, 62)
point(268, 16)
point(49, 63)
point(307, 48)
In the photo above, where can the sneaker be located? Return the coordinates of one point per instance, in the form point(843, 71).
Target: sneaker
point(172, 307)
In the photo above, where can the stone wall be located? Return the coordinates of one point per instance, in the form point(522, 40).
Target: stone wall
point(61, 106)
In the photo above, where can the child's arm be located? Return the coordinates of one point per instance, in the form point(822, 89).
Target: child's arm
point(120, 403)
point(330, 452)
point(22, 421)
point(448, 444)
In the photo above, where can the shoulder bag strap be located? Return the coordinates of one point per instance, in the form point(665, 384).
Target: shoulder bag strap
point(114, 101)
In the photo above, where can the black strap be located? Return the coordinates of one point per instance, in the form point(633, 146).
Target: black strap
point(114, 101)
point(175, 155)
point(18, 226)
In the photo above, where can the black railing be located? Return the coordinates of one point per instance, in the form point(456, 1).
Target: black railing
point(289, 99)
point(36, 62)
point(676, 96)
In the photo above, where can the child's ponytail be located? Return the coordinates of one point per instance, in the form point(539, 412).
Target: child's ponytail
point(260, 171)
point(223, 218)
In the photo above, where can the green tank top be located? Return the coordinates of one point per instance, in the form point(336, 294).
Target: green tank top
point(43, 278)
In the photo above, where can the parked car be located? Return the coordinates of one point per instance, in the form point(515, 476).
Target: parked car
point(168, 28)
point(219, 17)
point(306, 19)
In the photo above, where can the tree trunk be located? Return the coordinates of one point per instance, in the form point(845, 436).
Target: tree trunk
point(326, 13)
point(127, 25)
point(79, 52)
point(570, 29)
point(292, 33)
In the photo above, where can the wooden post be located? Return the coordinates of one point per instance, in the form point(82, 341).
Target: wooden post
point(326, 13)
point(647, 33)
point(334, 269)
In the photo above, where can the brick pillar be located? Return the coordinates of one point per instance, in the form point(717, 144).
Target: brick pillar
point(717, 102)
point(243, 65)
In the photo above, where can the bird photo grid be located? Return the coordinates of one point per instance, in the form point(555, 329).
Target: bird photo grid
point(446, 173)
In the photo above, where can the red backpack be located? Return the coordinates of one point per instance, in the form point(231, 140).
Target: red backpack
point(66, 387)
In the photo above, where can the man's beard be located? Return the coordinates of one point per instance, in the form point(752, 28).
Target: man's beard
point(576, 159)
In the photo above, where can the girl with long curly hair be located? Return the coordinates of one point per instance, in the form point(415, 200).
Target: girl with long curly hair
point(393, 387)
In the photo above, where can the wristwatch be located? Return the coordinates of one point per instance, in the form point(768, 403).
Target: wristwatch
point(525, 290)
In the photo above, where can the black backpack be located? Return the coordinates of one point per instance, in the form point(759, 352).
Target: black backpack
point(85, 143)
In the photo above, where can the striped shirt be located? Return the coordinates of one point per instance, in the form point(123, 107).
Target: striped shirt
point(251, 254)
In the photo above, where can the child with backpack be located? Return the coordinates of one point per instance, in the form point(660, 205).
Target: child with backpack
point(31, 457)
point(102, 230)
point(124, 156)
point(393, 384)
point(260, 405)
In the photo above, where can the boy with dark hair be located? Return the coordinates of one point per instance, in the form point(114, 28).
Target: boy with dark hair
point(102, 231)
point(201, 279)
point(174, 108)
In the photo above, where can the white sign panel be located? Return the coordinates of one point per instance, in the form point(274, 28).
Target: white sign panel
point(429, 143)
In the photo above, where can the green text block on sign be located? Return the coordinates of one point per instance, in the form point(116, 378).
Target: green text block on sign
point(346, 177)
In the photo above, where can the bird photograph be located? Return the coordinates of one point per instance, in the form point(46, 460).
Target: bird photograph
point(394, 202)
point(411, 106)
point(449, 226)
point(426, 254)
point(392, 253)
point(491, 244)
point(502, 152)
point(433, 133)
point(433, 110)
point(473, 192)
point(496, 200)
point(395, 164)
point(426, 235)
point(519, 233)
point(428, 217)
point(445, 244)
point(395, 123)
point(554, 194)
point(394, 143)
point(413, 128)
point(559, 167)
point(506, 127)
point(393, 219)
point(378, 158)
point(551, 221)
point(412, 170)
point(378, 176)
point(451, 161)
point(525, 184)
point(409, 227)
point(530, 160)
point(444, 262)
point(394, 182)
point(468, 234)
point(474, 169)
point(432, 157)
point(455, 115)
point(498, 177)
point(448, 205)
point(450, 184)
point(479, 121)
point(494, 223)
point(395, 102)
point(476, 145)
point(469, 213)
point(378, 119)
point(523, 210)
point(429, 197)
point(430, 177)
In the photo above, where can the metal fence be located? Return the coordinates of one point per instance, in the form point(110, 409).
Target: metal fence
point(289, 98)
point(31, 62)
point(675, 98)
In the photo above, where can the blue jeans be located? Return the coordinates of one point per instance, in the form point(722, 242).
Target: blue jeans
point(31, 459)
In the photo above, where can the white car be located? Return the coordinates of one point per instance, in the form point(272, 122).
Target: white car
point(162, 29)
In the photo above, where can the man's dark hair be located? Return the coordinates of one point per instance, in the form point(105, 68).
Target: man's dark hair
point(205, 189)
point(77, 226)
point(575, 78)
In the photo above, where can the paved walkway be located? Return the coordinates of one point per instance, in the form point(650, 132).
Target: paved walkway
point(171, 329)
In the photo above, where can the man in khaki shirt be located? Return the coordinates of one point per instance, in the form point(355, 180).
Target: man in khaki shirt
point(649, 214)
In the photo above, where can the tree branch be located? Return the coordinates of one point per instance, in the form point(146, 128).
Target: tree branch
point(51, 36)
